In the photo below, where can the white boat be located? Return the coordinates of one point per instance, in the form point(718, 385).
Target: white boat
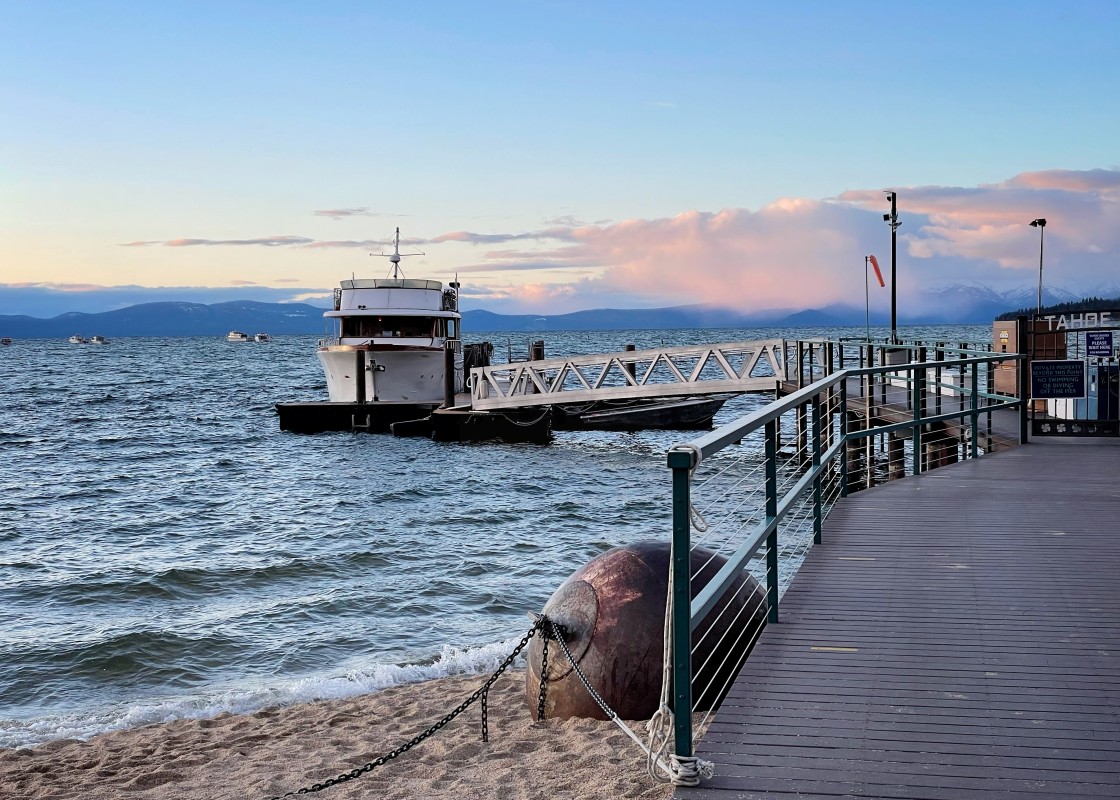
point(6, 340)
point(76, 339)
point(262, 337)
point(389, 341)
point(98, 340)
point(237, 336)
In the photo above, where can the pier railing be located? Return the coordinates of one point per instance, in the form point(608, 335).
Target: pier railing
point(633, 374)
point(750, 497)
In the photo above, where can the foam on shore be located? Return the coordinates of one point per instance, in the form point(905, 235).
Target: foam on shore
point(243, 700)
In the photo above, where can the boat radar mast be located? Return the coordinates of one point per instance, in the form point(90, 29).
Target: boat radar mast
point(397, 254)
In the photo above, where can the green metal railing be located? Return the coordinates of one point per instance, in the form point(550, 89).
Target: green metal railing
point(795, 490)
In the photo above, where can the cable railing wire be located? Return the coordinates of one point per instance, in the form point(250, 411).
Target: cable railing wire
point(764, 510)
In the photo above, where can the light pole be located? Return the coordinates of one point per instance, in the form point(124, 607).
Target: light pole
point(892, 219)
point(1041, 225)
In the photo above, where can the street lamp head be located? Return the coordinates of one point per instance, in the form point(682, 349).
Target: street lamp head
point(1038, 223)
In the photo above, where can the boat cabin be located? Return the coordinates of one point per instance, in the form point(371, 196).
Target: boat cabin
point(395, 308)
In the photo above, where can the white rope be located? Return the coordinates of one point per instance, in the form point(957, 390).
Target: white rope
point(694, 515)
point(662, 764)
point(660, 725)
point(607, 709)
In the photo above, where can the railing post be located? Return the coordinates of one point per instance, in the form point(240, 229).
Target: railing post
point(771, 517)
point(817, 436)
point(975, 406)
point(802, 417)
point(938, 356)
point(883, 378)
point(682, 463)
point(844, 437)
point(962, 353)
point(918, 389)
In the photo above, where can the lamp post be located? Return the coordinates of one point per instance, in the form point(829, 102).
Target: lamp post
point(892, 220)
point(1041, 225)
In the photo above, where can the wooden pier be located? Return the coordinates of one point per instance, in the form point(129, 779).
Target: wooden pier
point(956, 635)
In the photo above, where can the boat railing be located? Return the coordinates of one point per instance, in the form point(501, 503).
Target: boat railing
point(751, 496)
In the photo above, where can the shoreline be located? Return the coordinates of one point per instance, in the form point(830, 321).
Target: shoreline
point(278, 750)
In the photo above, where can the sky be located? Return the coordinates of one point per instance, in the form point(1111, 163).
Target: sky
point(554, 156)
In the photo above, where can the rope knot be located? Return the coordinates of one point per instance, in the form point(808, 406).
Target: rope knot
point(688, 770)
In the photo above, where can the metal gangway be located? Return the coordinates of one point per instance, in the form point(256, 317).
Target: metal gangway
point(633, 374)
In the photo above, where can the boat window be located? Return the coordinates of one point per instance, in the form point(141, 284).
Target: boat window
point(452, 329)
point(389, 327)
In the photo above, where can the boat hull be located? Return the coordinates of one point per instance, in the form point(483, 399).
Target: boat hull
point(365, 417)
point(397, 375)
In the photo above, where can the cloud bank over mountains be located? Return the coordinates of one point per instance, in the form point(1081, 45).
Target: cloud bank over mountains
point(792, 253)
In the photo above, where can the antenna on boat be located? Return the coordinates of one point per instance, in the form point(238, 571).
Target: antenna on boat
point(397, 254)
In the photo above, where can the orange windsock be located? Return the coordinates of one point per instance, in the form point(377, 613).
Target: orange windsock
point(878, 274)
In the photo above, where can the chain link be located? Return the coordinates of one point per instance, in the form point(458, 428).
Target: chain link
point(485, 728)
point(556, 632)
point(542, 694)
point(377, 762)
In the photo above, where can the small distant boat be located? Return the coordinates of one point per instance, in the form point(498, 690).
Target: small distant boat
point(237, 336)
point(75, 339)
point(98, 340)
point(6, 340)
point(262, 337)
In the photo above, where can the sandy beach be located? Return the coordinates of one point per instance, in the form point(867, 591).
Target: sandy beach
point(275, 751)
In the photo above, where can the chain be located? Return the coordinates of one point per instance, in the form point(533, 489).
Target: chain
point(611, 715)
point(485, 728)
point(542, 695)
point(377, 762)
point(586, 683)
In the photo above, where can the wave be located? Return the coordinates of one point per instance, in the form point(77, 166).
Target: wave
point(247, 699)
point(187, 581)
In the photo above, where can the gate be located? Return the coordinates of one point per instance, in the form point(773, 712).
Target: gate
point(1073, 374)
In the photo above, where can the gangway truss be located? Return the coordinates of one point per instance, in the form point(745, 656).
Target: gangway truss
point(634, 374)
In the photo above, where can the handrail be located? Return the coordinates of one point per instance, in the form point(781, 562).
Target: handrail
point(829, 399)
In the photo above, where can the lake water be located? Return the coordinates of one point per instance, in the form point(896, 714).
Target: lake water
point(167, 552)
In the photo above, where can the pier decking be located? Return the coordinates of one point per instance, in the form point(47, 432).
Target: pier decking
point(956, 635)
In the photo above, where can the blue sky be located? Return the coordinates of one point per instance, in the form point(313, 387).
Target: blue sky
point(556, 156)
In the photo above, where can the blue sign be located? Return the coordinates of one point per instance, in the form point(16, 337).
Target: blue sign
point(1057, 379)
point(1098, 343)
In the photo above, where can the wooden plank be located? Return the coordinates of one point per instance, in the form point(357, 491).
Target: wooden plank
point(956, 635)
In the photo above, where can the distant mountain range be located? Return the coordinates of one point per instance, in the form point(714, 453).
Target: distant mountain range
point(955, 304)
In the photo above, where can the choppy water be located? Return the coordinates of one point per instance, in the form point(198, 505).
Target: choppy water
point(166, 551)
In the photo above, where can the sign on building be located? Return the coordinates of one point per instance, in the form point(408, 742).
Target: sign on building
point(1055, 379)
point(1098, 344)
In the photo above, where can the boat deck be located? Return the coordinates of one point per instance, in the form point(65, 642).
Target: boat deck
point(956, 635)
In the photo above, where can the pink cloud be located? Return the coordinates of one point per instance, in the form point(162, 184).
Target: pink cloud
point(794, 252)
point(364, 244)
point(1092, 180)
point(268, 241)
point(989, 223)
